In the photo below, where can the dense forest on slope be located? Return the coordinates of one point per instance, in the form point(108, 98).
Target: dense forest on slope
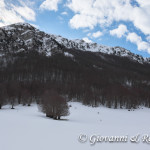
point(92, 78)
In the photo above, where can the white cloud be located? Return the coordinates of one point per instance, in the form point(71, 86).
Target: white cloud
point(120, 31)
point(136, 39)
point(64, 13)
point(25, 12)
point(141, 19)
point(143, 2)
point(51, 5)
point(2, 4)
point(148, 38)
point(89, 34)
point(82, 21)
point(105, 12)
point(87, 40)
point(97, 34)
point(143, 45)
point(10, 14)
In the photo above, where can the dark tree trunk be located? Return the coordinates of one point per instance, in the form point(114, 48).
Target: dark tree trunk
point(55, 117)
point(50, 116)
point(29, 102)
point(12, 106)
point(47, 115)
point(19, 99)
point(0, 106)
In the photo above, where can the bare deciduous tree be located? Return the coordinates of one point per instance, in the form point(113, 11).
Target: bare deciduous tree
point(3, 95)
point(54, 105)
point(12, 91)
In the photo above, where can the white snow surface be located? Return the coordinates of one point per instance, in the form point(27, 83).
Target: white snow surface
point(68, 54)
point(26, 128)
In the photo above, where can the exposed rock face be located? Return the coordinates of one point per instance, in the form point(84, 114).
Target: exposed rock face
point(24, 37)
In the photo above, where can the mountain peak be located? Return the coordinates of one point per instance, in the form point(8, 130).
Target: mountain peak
point(18, 26)
point(23, 37)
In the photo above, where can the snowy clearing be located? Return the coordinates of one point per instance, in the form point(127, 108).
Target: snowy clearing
point(25, 128)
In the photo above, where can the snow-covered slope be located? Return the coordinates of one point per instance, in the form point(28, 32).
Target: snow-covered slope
point(24, 37)
point(25, 128)
point(94, 47)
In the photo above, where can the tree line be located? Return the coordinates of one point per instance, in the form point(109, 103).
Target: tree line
point(91, 78)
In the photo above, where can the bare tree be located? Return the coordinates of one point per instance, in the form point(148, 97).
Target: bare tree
point(54, 105)
point(12, 91)
point(3, 95)
point(25, 96)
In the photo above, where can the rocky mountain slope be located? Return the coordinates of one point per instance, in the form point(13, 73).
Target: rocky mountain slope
point(22, 37)
point(32, 62)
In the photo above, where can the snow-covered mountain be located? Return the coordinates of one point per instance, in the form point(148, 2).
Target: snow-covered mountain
point(110, 76)
point(24, 37)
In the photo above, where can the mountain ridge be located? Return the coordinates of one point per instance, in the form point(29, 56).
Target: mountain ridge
point(32, 62)
point(23, 37)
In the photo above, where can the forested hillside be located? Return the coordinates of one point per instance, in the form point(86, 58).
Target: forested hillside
point(92, 78)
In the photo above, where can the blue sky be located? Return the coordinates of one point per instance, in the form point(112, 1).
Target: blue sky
point(124, 23)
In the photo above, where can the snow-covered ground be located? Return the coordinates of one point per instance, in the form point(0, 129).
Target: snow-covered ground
point(25, 128)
